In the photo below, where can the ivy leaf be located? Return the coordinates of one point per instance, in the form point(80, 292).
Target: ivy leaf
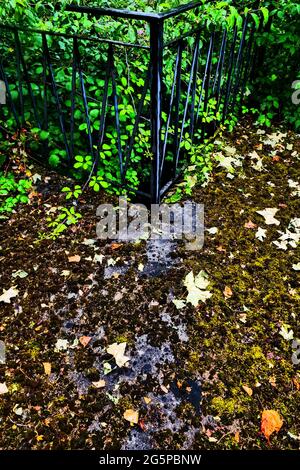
point(117, 351)
point(196, 288)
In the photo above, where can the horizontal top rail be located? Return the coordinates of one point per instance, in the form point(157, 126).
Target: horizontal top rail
point(136, 15)
point(71, 36)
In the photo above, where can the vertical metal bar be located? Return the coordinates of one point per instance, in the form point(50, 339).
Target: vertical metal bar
point(103, 107)
point(170, 110)
point(73, 100)
point(27, 79)
point(19, 78)
point(192, 72)
point(137, 120)
point(45, 101)
point(77, 58)
point(156, 61)
point(177, 104)
point(117, 117)
point(229, 76)
point(192, 119)
point(207, 65)
point(55, 94)
point(239, 63)
point(219, 84)
point(207, 83)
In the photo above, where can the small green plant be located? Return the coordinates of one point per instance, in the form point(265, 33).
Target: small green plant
point(12, 192)
point(83, 163)
point(196, 173)
point(76, 192)
point(62, 221)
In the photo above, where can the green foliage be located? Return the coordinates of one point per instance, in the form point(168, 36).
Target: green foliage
point(60, 224)
point(12, 192)
point(278, 41)
point(76, 192)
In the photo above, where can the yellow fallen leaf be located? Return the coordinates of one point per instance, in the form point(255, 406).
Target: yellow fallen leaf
point(147, 400)
point(271, 422)
point(248, 390)
point(47, 367)
point(132, 416)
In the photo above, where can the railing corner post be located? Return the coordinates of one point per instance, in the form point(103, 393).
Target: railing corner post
point(156, 61)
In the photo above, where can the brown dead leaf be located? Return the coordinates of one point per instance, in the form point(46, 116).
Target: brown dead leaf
point(221, 249)
point(270, 422)
point(74, 259)
point(132, 416)
point(228, 292)
point(84, 340)
point(276, 158)
point(250, 224)
point(248, 390)
point(237, 437)
point(47, 368)
point(296, 383)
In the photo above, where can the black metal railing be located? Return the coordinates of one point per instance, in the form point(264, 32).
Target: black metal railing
point(183, 88)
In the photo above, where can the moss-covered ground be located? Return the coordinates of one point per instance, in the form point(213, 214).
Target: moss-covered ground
point(199, 377)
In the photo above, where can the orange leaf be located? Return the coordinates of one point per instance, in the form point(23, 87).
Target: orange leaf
point(115, 246)
point(74, 259)
point(270, 422)
point(228, 292)
point(84, 340)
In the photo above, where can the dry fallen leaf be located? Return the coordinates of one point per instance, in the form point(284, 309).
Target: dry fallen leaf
point(99, 384)
point(84, 340)
point(47, 367)
point(270, 422)
point(8, 295)
point(147, 400)
point(3, 388)
point(228, 292)
point(269, 215)
point(118, 350)
point(248, 390)
point(74, 259)
point(132, 416)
